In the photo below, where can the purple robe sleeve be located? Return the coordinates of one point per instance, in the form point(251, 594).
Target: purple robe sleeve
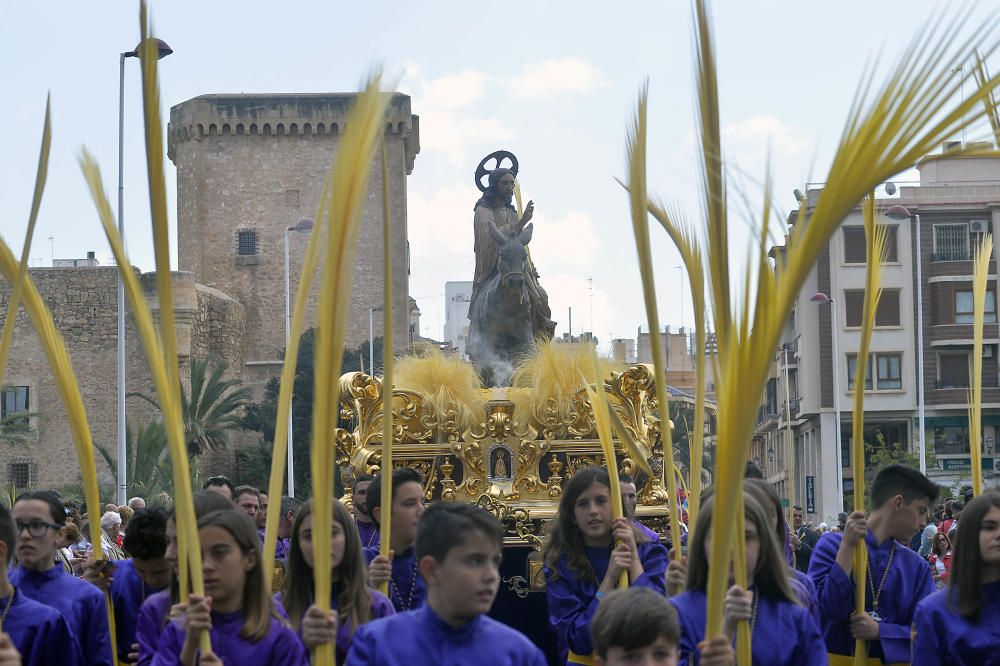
point(168, 650)
point(363, 648)
point(149, 625)
point(95, 634)
point(834, 588)
point(655, 558)
point(895, 638)
point(927, 648)
point(572, 604)
point(690, 608)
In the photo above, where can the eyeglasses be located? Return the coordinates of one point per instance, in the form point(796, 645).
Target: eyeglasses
point(36, 528)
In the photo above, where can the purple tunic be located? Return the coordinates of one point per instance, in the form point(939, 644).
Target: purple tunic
point(368, 531)
point(279, 647)
point(573, 601)
point(650, 534)
point(280, 546)
point(40, 633)
point(80, 603)
point(784, 633)
point(420, 637)
point(805, 590)
point(150, 624)
point(942, 636)
point(407, 589)
point(381, 607)
point(907, 582)
point(128, 592)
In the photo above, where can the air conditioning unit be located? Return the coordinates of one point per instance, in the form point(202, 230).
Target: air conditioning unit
point(978, 226)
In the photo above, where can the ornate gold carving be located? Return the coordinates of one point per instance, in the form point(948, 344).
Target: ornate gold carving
point(497, 460)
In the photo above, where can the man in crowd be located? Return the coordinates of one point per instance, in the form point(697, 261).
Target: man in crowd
point(359, 498)
point(247, 500)
point(803, 539)
point(262, 513)
point(221, 485)
point(631, 499)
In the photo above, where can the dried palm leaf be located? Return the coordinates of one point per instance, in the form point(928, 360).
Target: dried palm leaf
point(981, 269)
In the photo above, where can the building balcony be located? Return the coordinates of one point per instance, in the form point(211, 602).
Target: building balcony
point(952, 255)
point(988, 382)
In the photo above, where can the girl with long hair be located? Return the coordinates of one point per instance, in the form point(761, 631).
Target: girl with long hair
point(159, 608)
point(960, 625)
point(783, 632)
point(802, 585)
point(354, 601)
point(584, 555)
point(237, 609)
point(940, 559)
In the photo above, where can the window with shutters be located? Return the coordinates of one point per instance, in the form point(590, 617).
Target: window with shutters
point(856, 250)
point(886, 315)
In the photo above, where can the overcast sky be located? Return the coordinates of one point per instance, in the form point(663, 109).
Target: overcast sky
point(554, 82)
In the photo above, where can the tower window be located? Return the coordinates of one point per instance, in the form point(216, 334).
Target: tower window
point(246, 242)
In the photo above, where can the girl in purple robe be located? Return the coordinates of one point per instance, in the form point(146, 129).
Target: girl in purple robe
point(237, 609)
point(355, 602)
point(783, 632)
point(583, 562)
point(159, 608)
point(960, 625)
point(802, 585)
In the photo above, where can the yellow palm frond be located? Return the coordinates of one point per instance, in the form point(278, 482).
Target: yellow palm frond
point(347, 185)
point(13, 303)
point(388, 358)
point(982, 75)
point(981, 270)
point(686, 240)
point(888, 130)
point(638, 204)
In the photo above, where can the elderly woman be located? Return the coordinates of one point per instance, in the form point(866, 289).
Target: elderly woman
point(111, 523)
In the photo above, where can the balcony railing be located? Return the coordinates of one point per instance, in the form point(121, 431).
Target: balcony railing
point(988, 382)
point(952, 255)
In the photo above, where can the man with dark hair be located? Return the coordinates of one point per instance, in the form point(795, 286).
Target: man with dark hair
point(635, 625)
point(130, 582)
point(247, 500)
point(896, 577)
point(803, 539)
point(752, 471)
point(288, 508)
point(406, 589)
point(631, 499)
point(458, 548)
point(221, 485)
point(261, 517)
point(359, 498)
point(38, 632)
point(38, 517)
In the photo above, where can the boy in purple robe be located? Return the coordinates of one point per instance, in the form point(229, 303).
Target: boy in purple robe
point(38, 632)
point(407, 590)
point(147, 573)
point(39, 516)
point(960, 625)
point(458, 548)
point(635, 625)
point(237, 609)
point(896, 578)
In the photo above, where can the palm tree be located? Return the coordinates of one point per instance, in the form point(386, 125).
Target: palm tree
point(147, 461)
point(214, 408)
point(15, 431)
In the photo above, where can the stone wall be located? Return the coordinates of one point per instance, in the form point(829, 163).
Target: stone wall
point(83, 302)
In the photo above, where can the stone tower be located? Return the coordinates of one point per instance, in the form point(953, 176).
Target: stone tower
point(249, 167)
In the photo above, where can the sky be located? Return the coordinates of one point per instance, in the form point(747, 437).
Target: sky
point(553, 82)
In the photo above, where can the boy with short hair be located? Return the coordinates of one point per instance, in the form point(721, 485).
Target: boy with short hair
point(367, 529)
point(458, 547)
point(407, 590)
point(39, 632)
point(896, 578)
point(38, 518)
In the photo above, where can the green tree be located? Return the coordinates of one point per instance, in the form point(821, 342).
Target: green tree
point(147, 466)
point(261, 416)
point(215, 407)
point(15, 430)
point(682, 414)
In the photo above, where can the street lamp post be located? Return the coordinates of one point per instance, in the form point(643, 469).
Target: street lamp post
point(371, 339)
point(823, 299)
point(304, 225)
point(163, 50)
point(900, 212)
